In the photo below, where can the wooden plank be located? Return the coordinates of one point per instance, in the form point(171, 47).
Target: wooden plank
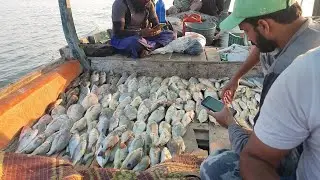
point(201, 57)
point(218, 138)
point(170, 68)
point(180, 57)
point(70, 33)
point(190, 140)
point(200, 126)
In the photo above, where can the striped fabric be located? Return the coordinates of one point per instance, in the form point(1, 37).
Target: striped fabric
point(18, 166)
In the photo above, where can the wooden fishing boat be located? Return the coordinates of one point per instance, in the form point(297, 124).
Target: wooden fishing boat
point(27, 99)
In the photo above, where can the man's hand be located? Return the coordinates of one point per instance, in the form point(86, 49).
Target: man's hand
point(150, 32)
point(224, 117)
point(229, 89)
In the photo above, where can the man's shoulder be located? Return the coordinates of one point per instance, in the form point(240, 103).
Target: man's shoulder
point(119, 4)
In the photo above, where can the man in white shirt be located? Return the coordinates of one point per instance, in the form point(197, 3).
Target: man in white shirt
point(289, 117)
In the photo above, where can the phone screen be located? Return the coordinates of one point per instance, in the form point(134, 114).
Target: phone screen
point(214, 105)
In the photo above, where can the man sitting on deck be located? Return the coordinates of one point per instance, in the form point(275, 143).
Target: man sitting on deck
point(280, 34)
point(136, 29)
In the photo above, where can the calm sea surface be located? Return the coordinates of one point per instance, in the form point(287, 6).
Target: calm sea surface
point(31, 32)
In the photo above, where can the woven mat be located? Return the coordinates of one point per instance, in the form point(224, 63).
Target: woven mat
point(18, 166)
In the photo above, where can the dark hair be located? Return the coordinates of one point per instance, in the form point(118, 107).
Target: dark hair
point(285, 16)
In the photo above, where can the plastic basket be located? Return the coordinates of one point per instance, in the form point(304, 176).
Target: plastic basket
point(236, 38)
point(206, 29)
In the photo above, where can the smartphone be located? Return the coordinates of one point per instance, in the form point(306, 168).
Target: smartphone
point(215, 105)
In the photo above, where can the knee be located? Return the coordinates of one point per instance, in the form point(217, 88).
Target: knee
point(221, 166)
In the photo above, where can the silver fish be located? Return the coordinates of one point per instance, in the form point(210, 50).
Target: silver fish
point(95, 90)
point(109, 142)
point(143, 164)
point(137, 143)
point(185, 95)
point(203, 116)
point(119, 130)
point(125, 138)
point(75, 112)
point(164, 138)
point(84, 91)
point(164, 126)
point(176, 146)
point(178, 129)
point(79, 125)
point(60, 141)
point(136, 102)
point(133, 85)
point(190, 106)
point(123, 79)
point(170, 113)
point(103, 124)
point(156, 80)
point(73, 143)
point(132, 159)
point(139, 127)
point(44, 147)
point(165, 154)
point(120, 156)
point(101, 161)
point(143, 112)
point(36, 142)
point(155, 154)
point(26, 139)
point(152, 127)
point(90, 100)
point(105, 101)
point(81, 149)
point(94, 78)
point(157, 115)
point(102, 77)
point(59, 110)
point(42, 123)
point(131, 112)
point(147, 142)
point(93, 112)
point(93, 138)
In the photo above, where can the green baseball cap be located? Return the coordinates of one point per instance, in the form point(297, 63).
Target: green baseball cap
point(243, 9)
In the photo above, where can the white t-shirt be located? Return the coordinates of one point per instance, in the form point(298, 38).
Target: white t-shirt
point(290, 114)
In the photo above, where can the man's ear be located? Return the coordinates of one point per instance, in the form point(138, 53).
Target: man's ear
point(264, 27)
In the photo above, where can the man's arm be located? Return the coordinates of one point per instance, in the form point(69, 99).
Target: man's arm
point(153, 18)
point(259, 161)
point(252, 60)
point(238, 137)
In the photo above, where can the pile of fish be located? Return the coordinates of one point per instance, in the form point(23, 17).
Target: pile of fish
point(128, 121)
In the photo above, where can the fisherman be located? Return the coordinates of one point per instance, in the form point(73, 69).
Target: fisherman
point(209, 7)
point(184, 6)
point(288, 118)
point(280, 34)
point(136, 29)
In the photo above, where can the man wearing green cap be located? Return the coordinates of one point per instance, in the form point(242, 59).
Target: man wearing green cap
point(280, 34)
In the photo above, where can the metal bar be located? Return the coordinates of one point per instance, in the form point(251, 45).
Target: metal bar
point(70, 33)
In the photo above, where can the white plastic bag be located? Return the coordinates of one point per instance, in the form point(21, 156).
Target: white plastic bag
point(192, 43)
point(235, 53)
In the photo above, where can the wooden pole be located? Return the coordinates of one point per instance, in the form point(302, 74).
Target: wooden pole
point(316, 8)
point(71, 34)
